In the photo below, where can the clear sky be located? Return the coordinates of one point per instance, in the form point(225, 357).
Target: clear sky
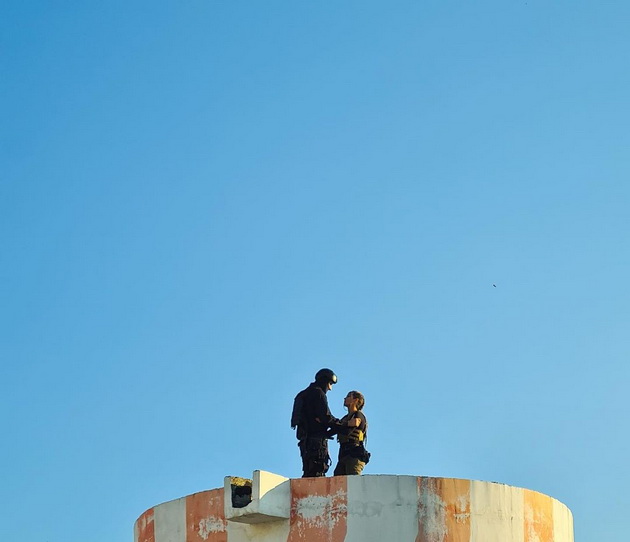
point(202, 202)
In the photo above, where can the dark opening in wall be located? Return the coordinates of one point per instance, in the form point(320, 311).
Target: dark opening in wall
point(241, 491)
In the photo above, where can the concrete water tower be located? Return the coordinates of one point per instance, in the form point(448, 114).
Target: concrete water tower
point(369, 508)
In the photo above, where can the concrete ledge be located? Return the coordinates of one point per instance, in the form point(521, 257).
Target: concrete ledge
point(369, 508)
point(264, 498)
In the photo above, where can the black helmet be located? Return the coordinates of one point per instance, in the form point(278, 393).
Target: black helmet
point(325, 376)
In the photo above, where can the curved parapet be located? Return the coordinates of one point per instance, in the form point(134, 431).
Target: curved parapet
point(370, 508)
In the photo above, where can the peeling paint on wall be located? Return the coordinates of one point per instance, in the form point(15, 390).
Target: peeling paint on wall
point(145, 527)
point(370, 508)
point(205, 517)
point(319, 509)
point(443, 510)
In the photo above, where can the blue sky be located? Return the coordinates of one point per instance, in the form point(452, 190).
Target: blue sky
point(204, 202)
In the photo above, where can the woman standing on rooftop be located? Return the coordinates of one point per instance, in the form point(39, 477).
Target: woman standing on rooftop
point(352, 453)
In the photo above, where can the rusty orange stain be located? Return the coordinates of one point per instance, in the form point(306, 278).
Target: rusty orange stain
point(443, 510)
point(146, 527)
point(538, 509)
point(205, 517)
point(319, 509)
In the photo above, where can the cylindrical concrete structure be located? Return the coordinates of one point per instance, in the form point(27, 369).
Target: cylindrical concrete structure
point(370, 508)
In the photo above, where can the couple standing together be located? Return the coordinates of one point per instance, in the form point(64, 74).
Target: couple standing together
point(315, 425)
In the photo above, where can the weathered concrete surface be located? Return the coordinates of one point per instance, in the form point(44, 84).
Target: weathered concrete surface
point(269, 498)
point(371, 508)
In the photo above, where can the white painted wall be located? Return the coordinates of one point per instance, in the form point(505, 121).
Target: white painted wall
point(170, 521)
point(562, 522)
point(259, 532)
point(372, 508)
point(383, 508)
point(496, 512)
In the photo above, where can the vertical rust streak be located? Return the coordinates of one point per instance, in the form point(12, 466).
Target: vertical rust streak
point(319, 509)
point(443, 510)
point(538, 512)
point(146, 526)
point(205, 517)
point(456, 495)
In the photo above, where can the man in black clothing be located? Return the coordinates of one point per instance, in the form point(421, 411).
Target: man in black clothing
point(312, 418)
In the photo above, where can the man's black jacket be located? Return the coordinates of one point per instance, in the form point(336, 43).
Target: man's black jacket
point(317, 416)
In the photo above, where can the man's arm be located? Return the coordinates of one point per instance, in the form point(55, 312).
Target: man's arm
point(322, 412)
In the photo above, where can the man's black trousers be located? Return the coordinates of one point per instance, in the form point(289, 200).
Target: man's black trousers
point(315, 458)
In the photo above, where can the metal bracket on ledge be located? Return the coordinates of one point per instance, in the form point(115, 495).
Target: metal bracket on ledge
point(264, 498)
